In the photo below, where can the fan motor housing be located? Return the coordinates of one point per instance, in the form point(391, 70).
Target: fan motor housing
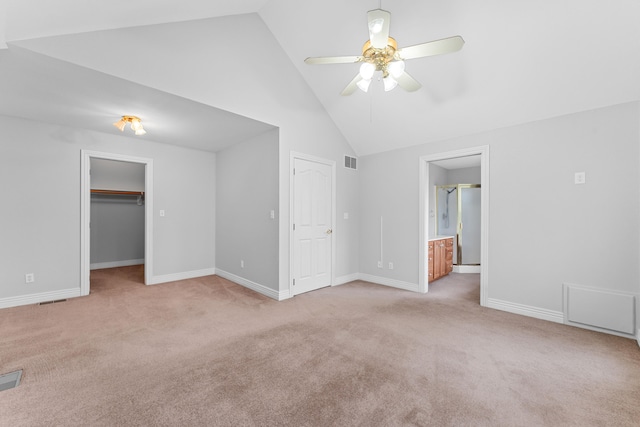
point(380, 57)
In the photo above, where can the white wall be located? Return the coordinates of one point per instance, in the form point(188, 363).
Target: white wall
point(544, 230)
point(246, 193)
point(464, 176)
point(116, 175)
point(117, 231)
point(233, 63)
point(40, 184)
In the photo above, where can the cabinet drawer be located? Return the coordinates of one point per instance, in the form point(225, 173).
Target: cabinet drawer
point(448, 243)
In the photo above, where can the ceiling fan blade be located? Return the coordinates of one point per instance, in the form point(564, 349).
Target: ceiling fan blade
point(408, 83)
point(352, 86)
point(379, 27)
point(436, 47)
point(333, 60)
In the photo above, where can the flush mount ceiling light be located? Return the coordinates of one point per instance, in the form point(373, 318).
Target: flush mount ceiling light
point(136, 124)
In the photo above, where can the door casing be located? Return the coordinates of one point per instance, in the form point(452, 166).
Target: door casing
point(85, 214)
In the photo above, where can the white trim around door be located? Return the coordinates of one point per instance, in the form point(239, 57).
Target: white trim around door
point(424, 219)
point(292, 158)
point(85, 213)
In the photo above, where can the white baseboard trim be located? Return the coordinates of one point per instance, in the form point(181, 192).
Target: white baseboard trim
point(257, 287)
point(346, 279)
point(389, 282)
point(39, 297)
point(526, 310)
point(165, 278)
point(113, 264)
point(466, 269)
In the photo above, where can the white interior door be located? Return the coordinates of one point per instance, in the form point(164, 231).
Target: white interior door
point(312, 228)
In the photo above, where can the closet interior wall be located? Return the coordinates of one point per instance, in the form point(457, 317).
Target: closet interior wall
point(117, 213)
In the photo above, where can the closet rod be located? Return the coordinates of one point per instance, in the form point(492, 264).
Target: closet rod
point(118, 192)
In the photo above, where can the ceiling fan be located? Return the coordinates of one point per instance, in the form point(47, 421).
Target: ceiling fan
point(381, 53)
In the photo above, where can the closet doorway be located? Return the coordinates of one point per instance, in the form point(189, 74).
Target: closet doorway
point(116, 213)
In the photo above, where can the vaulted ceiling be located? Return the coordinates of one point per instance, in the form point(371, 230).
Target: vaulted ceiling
point(522, 61)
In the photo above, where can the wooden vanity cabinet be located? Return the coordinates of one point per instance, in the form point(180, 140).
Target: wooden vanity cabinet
point(440, 257)
point(430, 259)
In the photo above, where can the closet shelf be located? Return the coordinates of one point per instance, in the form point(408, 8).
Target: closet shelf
point(118, 192)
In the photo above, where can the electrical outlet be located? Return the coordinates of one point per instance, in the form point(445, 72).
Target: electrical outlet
point(379, 264)
point(580, 178)
point(29, 278)
point(241, 263)
point(390, 266)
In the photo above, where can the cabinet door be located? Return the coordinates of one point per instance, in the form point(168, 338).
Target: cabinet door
point(448, 256)
point(430, 261)
point(438, 259)
point(443, 257)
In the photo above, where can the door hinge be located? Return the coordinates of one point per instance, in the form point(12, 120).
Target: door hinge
point(294, 227)
point(294, 282)
point(294, 171)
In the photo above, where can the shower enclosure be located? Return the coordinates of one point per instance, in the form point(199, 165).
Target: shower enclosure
point(458, 214)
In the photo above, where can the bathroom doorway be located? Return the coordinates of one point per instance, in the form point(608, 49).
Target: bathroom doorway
point(457, 214)
point(440, 175)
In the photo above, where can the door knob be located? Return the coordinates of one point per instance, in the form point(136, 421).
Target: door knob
point(329, 231)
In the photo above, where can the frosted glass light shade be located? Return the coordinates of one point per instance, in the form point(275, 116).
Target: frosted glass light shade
point(396, 68)
point(364, 85)
point(375, 26)
point(366, 70)
point(120, 125)
point(389, 83)
point(135, 124)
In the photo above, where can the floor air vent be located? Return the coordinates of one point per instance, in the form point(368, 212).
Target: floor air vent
point(10, 380)
point(51, 302)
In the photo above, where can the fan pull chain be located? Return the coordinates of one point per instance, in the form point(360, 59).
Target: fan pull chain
point(371, 107)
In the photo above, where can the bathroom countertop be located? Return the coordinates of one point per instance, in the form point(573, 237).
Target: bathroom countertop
point(440, 237)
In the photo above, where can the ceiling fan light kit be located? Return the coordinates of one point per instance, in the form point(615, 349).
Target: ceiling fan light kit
point(381, 53)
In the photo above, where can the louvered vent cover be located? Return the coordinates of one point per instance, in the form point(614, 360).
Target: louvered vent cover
point(350, 162)
point(10, 380)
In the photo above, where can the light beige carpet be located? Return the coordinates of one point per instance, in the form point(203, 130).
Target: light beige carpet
point(209, 352)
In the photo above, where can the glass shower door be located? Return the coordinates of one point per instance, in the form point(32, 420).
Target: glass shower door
point(469, 233)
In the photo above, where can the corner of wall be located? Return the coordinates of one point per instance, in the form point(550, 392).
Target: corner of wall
point(257, 287)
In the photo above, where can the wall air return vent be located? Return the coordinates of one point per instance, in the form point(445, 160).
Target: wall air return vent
point(350, 162)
